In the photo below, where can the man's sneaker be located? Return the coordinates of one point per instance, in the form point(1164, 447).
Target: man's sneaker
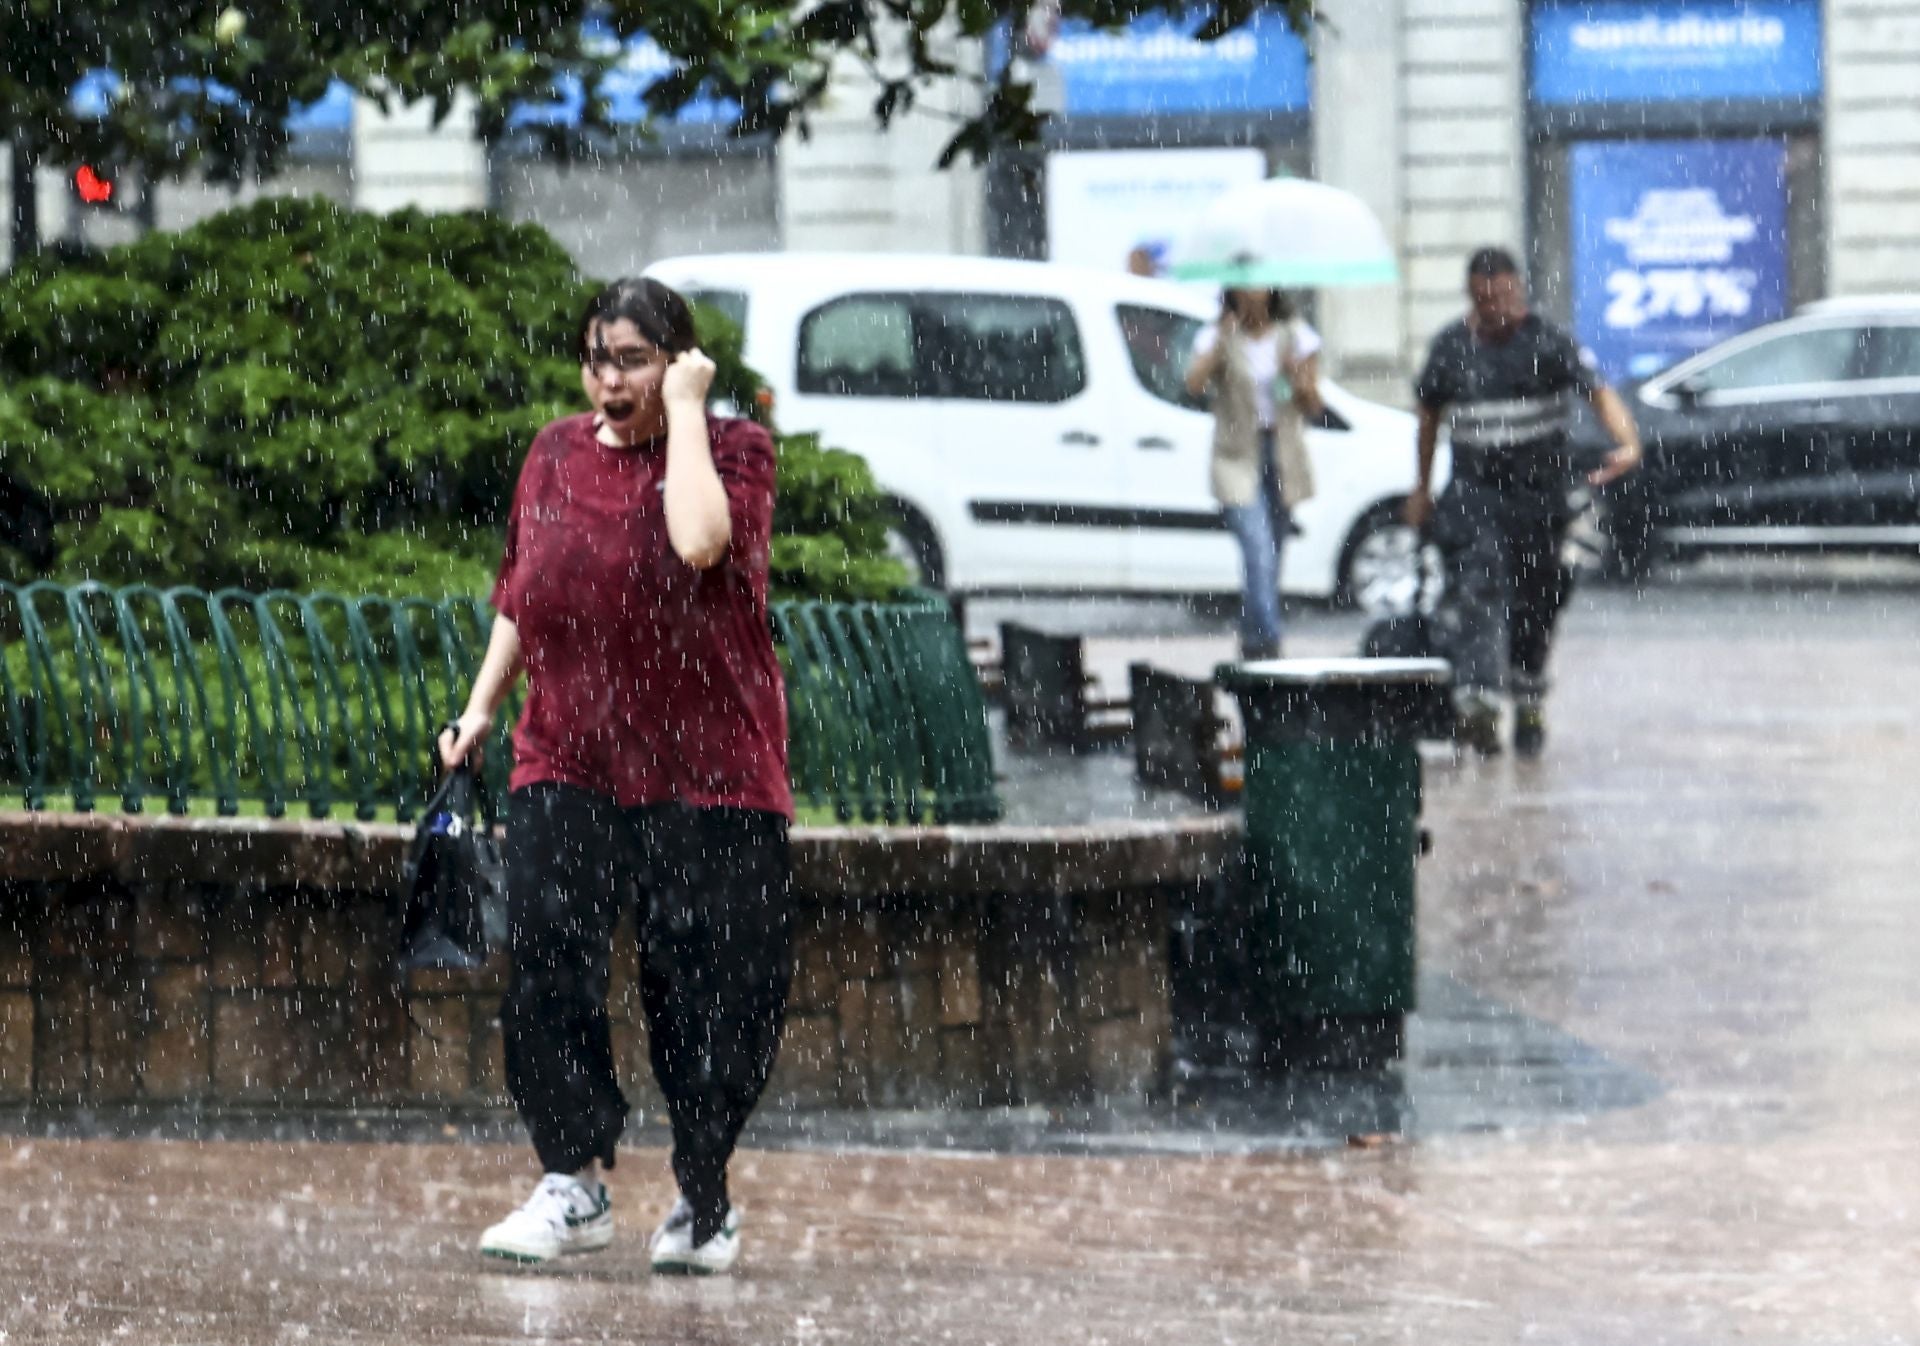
point(1477, 723)
point(1529, 730)
point(675, 1255)
point(560, 1217)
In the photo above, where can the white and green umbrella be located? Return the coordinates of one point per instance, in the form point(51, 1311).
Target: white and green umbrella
point(1286, 233)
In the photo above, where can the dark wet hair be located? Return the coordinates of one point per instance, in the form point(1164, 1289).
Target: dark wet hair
point(1490, 262)
point(657, 310)
point(1279, 302)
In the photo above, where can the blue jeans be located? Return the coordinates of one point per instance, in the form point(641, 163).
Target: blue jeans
point(1261, 528)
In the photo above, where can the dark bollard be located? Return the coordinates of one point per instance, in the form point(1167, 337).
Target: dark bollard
point(1043, 678)
point(1332, 798)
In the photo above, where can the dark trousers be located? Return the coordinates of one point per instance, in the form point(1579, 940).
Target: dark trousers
point(1501, 533)
point(716, 956)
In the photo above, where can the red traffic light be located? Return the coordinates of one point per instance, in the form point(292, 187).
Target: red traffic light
point(93, 189)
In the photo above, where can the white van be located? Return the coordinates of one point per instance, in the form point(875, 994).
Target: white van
point(1031, 423)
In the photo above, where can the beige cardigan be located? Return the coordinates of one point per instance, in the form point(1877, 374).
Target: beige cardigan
point(1236, 432)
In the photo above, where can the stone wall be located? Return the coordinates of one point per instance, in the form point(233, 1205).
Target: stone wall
point(1358, 72)
point(851, 186)
point(1872, 146)
point(244, 964)
point(1463, 148)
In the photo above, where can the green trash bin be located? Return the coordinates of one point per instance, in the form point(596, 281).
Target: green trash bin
point(1332, 795)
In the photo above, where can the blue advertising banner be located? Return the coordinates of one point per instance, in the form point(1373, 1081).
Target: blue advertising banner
point(333, 111)
point(1677, 244)
point(1666, 51)
point(1155, 67)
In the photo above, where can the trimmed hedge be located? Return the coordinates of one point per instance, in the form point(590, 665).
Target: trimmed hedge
point(292, 395)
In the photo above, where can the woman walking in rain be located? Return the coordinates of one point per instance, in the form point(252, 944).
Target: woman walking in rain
point(1259, 366)
point(650, 757)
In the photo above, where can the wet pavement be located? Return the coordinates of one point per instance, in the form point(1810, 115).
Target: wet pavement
point(1665, 1087)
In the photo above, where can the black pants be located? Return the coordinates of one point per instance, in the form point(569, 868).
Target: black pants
point(1501, 532)
point(716, 956)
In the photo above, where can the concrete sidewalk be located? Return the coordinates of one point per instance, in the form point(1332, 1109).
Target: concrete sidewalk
point(1707, 883)
point(1577, 1236)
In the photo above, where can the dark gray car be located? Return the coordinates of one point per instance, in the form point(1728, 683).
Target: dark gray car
point(1801, 435)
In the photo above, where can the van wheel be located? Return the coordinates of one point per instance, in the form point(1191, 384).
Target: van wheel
point(911, 541)
point(1387, 568)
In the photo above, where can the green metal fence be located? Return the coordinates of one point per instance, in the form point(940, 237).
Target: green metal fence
point(232, 701)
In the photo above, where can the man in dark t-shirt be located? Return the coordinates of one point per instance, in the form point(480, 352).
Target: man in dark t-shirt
point(1502, 380)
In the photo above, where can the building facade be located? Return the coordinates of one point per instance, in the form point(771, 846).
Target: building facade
point(1670, 170)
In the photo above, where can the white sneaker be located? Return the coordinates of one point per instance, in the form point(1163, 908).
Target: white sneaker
point(560, 1217)
point(673, 1250)
point(678, 1224)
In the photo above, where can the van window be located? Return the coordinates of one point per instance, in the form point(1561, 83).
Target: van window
point(1160, 345)
point(732, 303)
point(859, 346)
point(999, 348)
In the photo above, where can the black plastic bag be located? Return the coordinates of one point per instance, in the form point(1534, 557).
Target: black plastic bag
point(1413, 636)
point(455, 881)
point(1404, 636)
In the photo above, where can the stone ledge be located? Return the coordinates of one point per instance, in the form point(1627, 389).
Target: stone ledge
point(830, 863)
point(249, 962)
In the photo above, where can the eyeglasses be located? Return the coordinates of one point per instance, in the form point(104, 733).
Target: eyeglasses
point(600, 359)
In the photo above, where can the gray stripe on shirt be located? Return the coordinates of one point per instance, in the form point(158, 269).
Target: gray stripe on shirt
point(1511, 422)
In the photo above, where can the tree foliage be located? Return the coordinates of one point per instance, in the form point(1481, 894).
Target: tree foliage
point(293, 395)
point(207, 86)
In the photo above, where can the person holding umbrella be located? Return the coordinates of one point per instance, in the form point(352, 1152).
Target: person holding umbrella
point(651, 757)
point(1258, 367)
point(1259, 363)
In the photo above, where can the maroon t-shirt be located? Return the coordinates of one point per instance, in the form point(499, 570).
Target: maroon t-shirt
point(648, 680)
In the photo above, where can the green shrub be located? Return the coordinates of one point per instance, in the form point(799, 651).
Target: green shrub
point(291, 395)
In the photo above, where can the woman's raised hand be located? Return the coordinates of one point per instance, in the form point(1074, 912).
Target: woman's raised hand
point(688, 378)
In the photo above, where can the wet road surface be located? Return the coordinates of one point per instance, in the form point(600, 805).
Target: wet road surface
point(1709, 883)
